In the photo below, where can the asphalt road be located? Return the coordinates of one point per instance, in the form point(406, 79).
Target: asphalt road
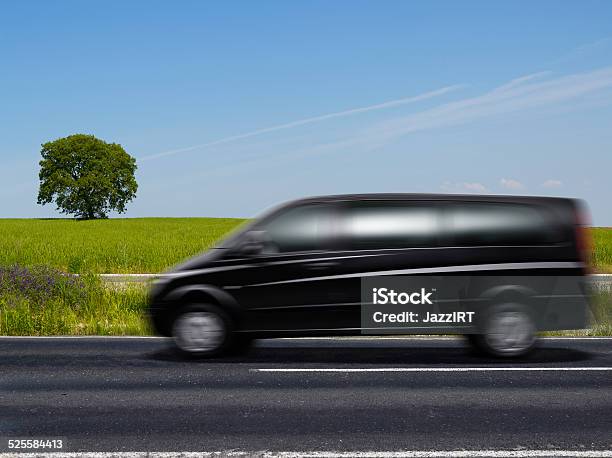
point(131, 394)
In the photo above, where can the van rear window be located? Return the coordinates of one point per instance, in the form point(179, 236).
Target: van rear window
point(483, 223)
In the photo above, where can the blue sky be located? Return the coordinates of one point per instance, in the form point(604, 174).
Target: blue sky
point(230, 107)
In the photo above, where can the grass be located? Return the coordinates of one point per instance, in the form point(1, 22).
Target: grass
point(41, 301)
point(601, 308)
point(38, 298)
point(602, 249)
point(134, 245)
point(144, 245)
point(105, 313)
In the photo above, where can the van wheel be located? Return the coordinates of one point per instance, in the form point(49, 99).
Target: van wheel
point(202, 330)
point(507, 331)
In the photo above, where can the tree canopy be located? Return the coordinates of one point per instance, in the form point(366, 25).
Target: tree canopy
point(86, 176)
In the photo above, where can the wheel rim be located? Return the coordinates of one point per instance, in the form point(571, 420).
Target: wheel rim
point(510, 332)
point(199, 331)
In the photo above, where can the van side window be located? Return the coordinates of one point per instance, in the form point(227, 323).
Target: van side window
point(395, 224)
point(482, 223)
point(303, 228)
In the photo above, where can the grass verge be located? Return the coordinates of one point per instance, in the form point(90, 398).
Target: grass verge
point(601, 307)
point(42, 301)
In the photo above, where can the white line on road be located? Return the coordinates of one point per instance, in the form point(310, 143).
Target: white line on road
point(330, 454)
point(425, 337)
point(435, 369)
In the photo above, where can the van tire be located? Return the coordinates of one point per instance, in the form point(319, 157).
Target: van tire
point(202, 331)
point(507, 331)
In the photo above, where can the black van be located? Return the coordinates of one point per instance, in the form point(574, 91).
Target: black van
point(309, 267)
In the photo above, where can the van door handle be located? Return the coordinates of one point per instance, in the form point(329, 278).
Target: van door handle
point(321, 265)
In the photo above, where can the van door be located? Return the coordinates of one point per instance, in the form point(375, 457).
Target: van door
point(385, 237)
point(286, 284)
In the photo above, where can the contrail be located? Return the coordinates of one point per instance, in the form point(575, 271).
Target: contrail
point(301, 122)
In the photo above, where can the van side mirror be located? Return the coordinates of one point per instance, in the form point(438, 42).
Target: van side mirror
point(252, 244)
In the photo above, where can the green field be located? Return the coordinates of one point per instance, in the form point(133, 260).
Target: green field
point(602, 249)
point(143, 245)
point(134, 245)
point(38, 298)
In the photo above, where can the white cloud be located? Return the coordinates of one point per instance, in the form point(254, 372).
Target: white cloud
point(509, 183)
point(531, 91)
point(520, 80)
point(585, 49)
point(474, 187)
point(301, 122)
point(552, 184)
point(519, 94)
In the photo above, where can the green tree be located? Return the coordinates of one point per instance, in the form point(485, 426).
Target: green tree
point(86, 176)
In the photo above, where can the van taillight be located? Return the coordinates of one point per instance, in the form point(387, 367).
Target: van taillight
point(584, 243)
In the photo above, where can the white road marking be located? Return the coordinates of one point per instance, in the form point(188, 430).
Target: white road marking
point(436, 369)
point(576, 338)
point(331, 454)
point(421, 337)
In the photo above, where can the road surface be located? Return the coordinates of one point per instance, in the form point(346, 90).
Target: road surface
point(333, 395)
